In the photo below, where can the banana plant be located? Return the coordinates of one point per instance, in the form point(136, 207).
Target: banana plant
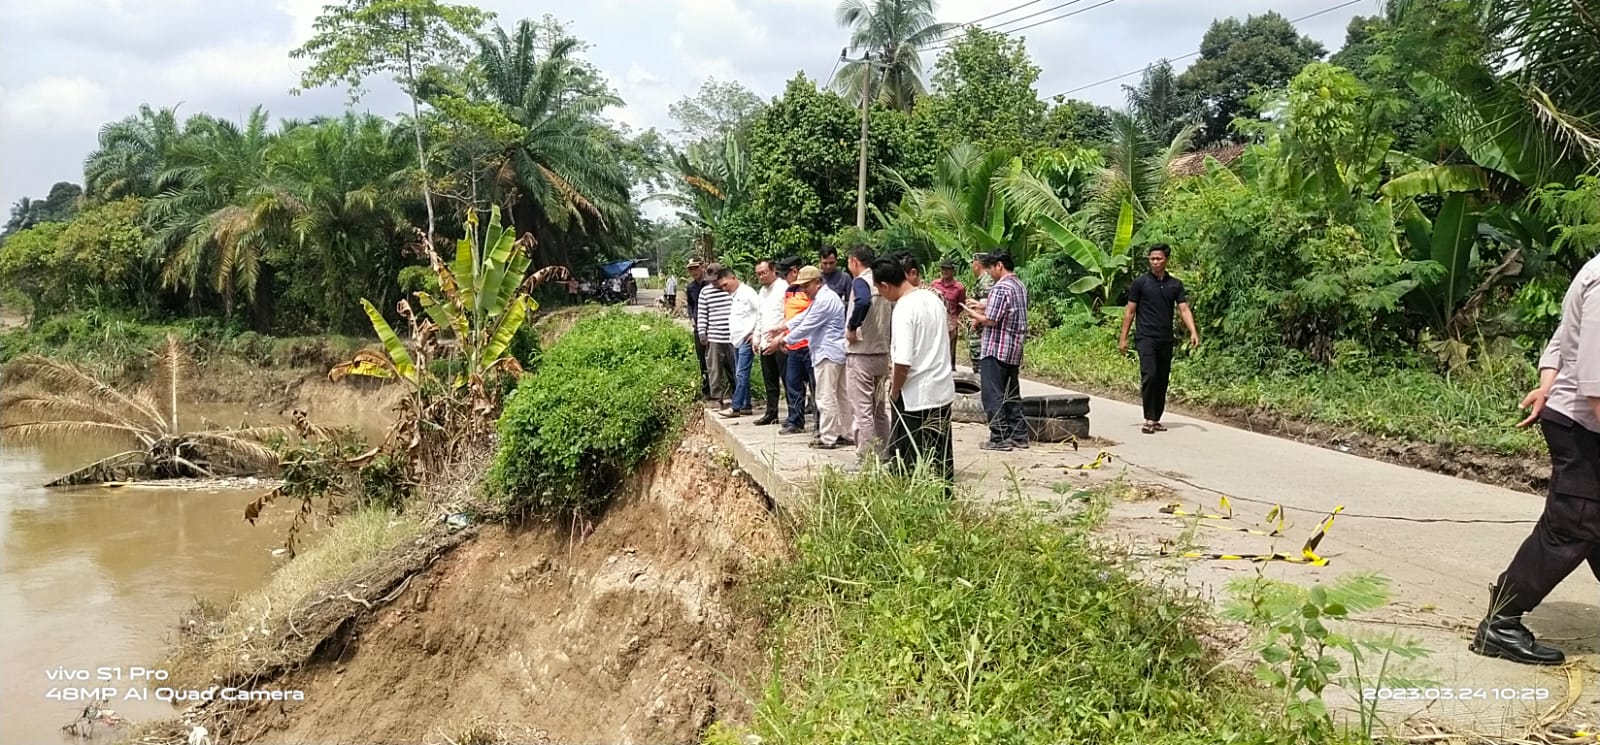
point(1449, 241)
point(1104, 268)
point(484, 301)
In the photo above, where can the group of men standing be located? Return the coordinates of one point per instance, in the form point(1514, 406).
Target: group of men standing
point(866, 351)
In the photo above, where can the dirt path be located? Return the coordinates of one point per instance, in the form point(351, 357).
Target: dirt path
point(1441, 540)
point(10, 318)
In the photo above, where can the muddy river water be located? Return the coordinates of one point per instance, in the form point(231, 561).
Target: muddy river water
point(93, 582)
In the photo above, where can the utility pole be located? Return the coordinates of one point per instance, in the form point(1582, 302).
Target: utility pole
point(866, 109)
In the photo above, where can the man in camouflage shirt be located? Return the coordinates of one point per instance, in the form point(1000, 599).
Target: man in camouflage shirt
point(978, 291)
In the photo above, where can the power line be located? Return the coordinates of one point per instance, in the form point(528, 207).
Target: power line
point(1195, 53)
point(1052, 19)
point(998, 13)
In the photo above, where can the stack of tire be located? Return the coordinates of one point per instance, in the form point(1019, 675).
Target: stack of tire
point(1053, 418)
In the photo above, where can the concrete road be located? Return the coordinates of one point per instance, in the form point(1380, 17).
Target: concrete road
point(1440, 540)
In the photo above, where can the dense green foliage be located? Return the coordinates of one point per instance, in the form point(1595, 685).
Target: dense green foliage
point(907, 618)
point(608, 394)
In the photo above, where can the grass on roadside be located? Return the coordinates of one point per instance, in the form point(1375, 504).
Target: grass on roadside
point(905, 618)
point(245, 629)
point(1475, 408)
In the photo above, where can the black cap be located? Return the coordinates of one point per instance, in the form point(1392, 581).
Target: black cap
point(947, 264)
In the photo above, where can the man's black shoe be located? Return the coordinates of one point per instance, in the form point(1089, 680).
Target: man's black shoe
point(788, 430)
point(765, 420)
point(1505, 637)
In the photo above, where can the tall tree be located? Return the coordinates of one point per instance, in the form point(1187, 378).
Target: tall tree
point(131, 154)
point(1239, 58)
point(1073, 122)
point(362, 38)
point(986, 97)
point(562, 175)
point(208, 236)
point(716, 110)
point(1159, 103)
point(59, 205)
point(893, 31)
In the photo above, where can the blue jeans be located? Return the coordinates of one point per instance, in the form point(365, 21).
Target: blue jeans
point(796, 381)
point(743, 357)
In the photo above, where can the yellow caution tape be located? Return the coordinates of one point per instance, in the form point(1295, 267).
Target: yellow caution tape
point(1101, 459)
point(1273, 515)
point(1308, 552)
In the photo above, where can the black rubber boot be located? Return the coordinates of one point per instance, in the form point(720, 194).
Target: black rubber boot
point(1505, 637)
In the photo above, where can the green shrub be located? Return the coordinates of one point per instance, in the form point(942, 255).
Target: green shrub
point(906, 618)
point(606, 396)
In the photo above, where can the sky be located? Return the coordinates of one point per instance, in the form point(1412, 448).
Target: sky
point(67, 67)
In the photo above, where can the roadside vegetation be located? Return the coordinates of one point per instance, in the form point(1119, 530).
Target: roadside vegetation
point(905, 617)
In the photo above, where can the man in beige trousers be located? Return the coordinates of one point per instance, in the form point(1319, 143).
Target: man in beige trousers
point(867, 357)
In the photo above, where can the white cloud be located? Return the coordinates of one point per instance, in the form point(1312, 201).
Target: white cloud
point(68, 66)
point(54, 104)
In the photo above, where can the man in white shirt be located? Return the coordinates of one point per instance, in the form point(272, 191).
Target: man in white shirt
point(773, 357)
point(744, 314)
point(671, 293)
point(922, 386)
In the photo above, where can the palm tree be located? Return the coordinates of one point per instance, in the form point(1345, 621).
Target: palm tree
point(964, 211)
point(62, 401)
point(559, 178)
point(1158, 104)
point(1135, 173)
point(24, 215)
point(893, 31)
point(337, 189)
point(716, 181)
point(131, 155)
point(204, 228)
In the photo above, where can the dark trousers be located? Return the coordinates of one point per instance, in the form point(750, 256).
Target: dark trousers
point(719, 365)
point(1002, 400)
point(796, 377)
point(1155, 371)
point(922, 436)
point(1568, 533)
point(774, 371)
point(701, 350)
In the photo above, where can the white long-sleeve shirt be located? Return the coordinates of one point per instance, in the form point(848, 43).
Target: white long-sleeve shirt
point(771, 298)
point(744, 314)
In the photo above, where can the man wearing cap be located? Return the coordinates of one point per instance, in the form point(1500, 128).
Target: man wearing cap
point(922, 386)
point(954, 295)
point(691, 302)
point(981, 284)
point(822, 326)
point(866, 365)
point(1567, 406)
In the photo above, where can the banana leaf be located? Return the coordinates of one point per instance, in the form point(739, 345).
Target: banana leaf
point(392, 345)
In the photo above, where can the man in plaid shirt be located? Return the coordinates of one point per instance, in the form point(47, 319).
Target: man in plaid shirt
point(1003, 320)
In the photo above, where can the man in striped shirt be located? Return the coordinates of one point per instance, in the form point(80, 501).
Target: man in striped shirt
point(711, 328)
point(1003, 318)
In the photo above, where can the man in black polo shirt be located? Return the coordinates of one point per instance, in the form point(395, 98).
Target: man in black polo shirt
point(1152, 298)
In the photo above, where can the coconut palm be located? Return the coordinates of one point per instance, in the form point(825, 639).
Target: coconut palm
point(131, 155)
point(558, 178)
point(1159, 104)
point(963, 211)
point(1135, 173)
point(892, 31)
point(60, 400)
